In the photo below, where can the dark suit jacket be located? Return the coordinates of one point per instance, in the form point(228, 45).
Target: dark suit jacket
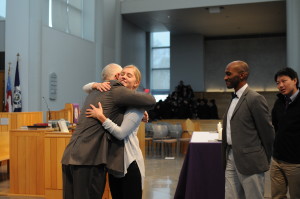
point(91, 144)
point(252, 134)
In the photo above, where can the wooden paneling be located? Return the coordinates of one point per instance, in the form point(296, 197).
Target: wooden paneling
point(194, 125)
point(18, 120)
point(27, 162)
point(2, 89)
point(141, 137)
point(15, 120)
point(4, 146)
point(4, 128)
point(35, 163)
point(35, 167)
point(67, 113)
point(223, 99)
point(55, 144)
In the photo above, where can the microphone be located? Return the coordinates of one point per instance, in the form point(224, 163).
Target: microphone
point(49, 116)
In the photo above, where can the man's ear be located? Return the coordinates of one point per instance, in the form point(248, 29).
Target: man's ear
point(117, 76)
point(295, 80)
point(243, 76)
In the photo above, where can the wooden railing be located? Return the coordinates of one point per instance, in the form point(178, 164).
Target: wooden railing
point(67, 113)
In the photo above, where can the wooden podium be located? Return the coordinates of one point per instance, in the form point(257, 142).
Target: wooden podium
point(35, 167)
point(35, 155)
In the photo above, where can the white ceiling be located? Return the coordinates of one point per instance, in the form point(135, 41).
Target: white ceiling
point(233, 20)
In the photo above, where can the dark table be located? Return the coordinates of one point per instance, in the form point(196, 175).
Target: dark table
point(202, 174)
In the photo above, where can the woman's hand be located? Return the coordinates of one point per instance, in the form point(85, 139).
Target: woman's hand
point(146, 117)
point(96, 112)
point(105, 86)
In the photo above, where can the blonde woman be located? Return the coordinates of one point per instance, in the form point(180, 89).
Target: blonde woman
point(131, 185)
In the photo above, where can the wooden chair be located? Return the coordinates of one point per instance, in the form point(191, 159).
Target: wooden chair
point(189, 128)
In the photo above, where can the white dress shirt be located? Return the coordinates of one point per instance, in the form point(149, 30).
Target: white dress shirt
point(230, 112)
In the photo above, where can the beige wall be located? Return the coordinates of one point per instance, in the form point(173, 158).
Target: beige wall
point(223, 99)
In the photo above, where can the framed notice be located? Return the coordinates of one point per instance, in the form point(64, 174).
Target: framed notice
point(76, 112)
point(63, 125)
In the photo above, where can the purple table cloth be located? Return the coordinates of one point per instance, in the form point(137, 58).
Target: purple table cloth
point(202, 174)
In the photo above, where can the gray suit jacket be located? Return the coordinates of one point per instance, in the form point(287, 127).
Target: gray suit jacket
point(91, 144)
point(252, 134)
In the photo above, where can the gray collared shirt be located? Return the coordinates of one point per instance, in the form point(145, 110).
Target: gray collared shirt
point(293, 97)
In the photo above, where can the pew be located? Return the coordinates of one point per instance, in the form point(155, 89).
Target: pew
point(4, 149)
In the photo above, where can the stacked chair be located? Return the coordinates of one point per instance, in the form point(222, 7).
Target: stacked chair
point(164, 137)
point(160, 132)
point(148, 137)
point(173, 138)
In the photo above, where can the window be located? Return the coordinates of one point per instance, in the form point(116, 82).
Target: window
point(160, 63)
point(2, 9)
point(73, 17)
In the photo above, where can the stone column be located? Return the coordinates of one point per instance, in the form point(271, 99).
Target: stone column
point(293, 34)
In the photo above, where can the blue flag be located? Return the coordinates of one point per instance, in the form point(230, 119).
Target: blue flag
point(17, 102)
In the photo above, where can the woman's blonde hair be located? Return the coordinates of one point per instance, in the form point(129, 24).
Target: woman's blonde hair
point(136, 71)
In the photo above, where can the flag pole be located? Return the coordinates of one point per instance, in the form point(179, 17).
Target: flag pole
point(9, 63)
point(17, 99)
point(8, 93)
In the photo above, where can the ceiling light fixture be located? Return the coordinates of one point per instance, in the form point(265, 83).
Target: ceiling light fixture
point(215, 10)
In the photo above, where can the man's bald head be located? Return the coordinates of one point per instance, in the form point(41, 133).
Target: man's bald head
point(111, 72)
point(240, 67)
point(236, 74)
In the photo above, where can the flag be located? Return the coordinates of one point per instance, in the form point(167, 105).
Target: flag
point(8, 104)
point(17, 103)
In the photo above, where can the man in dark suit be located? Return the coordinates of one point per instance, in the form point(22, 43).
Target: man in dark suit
point(92, 150)
point(285, 166)
point(247, 137)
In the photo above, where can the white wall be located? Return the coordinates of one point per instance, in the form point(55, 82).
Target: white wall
point(265, 57)
point(293, 34)
point(187, 61)
point(2, 36)
point(111, 43)
point(32, 93)
point(73, 62)
point(134, 48)
point(17, 34)
point(44, 50)
point(202, 63)
point(133, 6)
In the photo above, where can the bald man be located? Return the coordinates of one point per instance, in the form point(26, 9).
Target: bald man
point(92, 150)
point(248, 137)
